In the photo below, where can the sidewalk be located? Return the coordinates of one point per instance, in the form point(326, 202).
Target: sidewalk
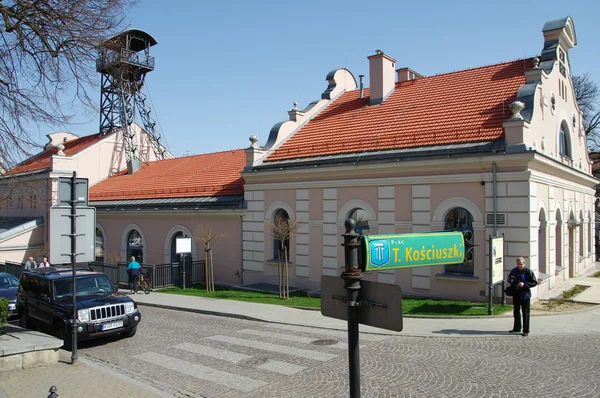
point(83, 379)
point(577, 322)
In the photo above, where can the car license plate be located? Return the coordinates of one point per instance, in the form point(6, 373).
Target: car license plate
point(112, 325)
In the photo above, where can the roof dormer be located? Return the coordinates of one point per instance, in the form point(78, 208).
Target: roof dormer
point(559, 38)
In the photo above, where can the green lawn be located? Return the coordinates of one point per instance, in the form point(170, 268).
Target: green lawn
point(410, 306)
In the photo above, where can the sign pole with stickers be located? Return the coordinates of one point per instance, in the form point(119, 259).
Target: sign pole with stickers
point(373, 303)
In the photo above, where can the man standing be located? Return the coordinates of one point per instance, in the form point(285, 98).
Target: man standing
point(522, 279)
point(44, 263)
point(133, 269)
point(30, 264)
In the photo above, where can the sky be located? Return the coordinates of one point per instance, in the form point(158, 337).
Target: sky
point(226, 70)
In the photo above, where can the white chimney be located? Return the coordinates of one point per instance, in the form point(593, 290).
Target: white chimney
point(382, 76)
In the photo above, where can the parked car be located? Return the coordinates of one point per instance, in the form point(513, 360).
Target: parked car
point(45, 303)
point(8, 290)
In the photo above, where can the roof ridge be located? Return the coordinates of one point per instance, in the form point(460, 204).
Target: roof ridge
point(469, 69)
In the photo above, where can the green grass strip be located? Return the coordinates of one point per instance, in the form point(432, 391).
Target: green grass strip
point(410, 306)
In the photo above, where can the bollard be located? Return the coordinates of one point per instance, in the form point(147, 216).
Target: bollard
point(52, 392)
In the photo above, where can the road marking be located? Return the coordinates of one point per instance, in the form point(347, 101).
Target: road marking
point(297, 352)
point(229, 380)
point(288, 337)
point(325, 332)
point(284, 368)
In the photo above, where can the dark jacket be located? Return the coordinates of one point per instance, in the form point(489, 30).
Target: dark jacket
point(527, 277)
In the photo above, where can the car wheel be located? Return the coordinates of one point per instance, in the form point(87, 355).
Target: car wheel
point(130, 332)
point(61, 332)
point(24, 321)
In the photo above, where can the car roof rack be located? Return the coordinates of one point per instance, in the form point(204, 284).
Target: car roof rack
point(52, 270)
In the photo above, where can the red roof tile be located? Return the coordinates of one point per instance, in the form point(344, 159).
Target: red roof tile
point(212, 174)
point(457, 107)
point(41, 161)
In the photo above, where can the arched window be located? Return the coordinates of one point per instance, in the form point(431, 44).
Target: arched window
point(563, 142)
point(459, 219)
point(174, 256)
point(99, 246)
point(280, 240)
point(135, 246)
point(362, 221)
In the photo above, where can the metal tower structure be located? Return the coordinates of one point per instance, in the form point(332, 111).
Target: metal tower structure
point(123, 61)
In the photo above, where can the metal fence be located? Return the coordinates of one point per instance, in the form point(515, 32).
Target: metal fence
point(161, 275)
point(12, 267)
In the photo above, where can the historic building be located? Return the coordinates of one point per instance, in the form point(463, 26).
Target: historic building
point(498, 149)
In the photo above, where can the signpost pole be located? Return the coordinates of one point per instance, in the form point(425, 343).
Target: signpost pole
point(74, 322)
point(352, 276)
point(491, 276)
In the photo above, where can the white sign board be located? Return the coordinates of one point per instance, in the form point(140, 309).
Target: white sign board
point(497, 259)
point(183, 245)
point(60, 241)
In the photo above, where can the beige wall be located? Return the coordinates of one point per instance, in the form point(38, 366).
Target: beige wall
point(158, 231)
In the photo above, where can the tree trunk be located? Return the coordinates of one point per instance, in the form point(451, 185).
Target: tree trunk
point(285, 275)
point(207, 268)
point(212, 273)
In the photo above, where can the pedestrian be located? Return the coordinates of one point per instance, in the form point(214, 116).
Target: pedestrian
point(44, 262)
point(134, 269)
point(522, 279)
point(30, 264)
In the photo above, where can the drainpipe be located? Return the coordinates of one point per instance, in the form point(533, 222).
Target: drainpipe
point(495, 198)
point(241, 271)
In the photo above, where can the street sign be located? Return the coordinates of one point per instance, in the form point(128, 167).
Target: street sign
point(64, 191)
point(380, 303)
point(497, 259)
point(383, 252)
point(60, 228)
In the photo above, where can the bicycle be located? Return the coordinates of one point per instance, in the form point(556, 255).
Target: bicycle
point(144, 283)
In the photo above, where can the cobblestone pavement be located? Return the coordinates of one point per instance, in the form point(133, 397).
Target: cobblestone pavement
point(188, 354)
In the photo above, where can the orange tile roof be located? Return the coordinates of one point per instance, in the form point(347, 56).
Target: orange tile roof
point(41, 161)
point(212, 174)
point(457, 107)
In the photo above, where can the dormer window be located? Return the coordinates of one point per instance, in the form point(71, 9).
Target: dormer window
point(563, 143)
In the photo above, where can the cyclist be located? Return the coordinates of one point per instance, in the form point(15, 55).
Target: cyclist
point(134, 269)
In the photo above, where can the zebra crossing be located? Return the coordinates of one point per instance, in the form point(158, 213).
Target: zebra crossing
point(271, 352)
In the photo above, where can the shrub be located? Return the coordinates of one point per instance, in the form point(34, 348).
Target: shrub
point(3, 311)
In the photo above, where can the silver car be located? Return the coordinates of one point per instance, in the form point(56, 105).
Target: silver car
point(8, 290)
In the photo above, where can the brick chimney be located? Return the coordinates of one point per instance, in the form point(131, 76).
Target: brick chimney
point(382, 76)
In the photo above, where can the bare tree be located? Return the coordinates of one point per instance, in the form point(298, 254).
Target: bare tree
point(47, 60)
point(207, 235)
point(283, 230)
point(587, 95)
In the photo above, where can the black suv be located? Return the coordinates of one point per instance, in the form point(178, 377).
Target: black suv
point(45, 303)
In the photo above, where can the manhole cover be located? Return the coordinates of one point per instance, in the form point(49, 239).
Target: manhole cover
point(255, 361)
point(324, 342)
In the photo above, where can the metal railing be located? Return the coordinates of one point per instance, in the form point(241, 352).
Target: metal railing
point(12, 267)
point(161, 275)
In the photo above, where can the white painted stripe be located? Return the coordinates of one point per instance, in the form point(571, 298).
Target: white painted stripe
point(216, 353)
point(234, 357)
point(229, 380)
point(325, 332)
point(283, 368)
point(297, 352)
point(287, 337)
